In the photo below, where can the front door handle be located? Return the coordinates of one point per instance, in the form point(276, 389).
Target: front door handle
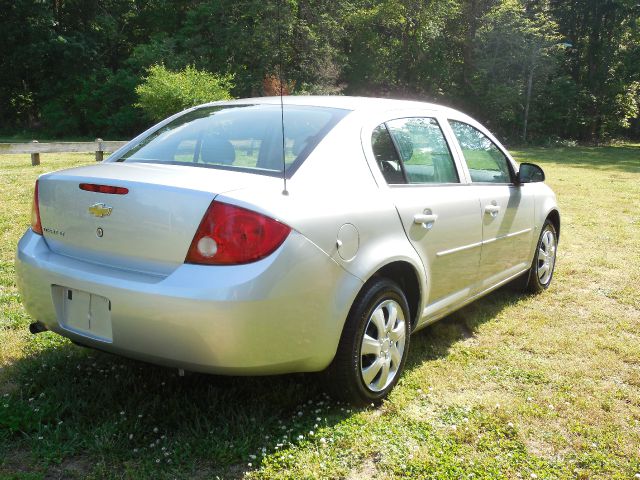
point(425, 219)
point(492, 210)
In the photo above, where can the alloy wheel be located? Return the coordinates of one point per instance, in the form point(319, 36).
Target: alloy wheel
point(546, 257)
point(383, 344)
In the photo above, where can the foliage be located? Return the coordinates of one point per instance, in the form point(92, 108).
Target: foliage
point(163, 92)
point(602, 63)
point(532, 69)
point(516, 53)
point(400, 48)
point(100, 102)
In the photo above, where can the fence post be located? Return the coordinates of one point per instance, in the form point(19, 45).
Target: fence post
point(100, 150)
point(35, 157)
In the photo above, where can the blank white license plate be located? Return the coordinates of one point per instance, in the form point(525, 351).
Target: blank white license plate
point(83, 312)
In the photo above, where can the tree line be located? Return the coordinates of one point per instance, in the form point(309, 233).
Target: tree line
point(532, 70)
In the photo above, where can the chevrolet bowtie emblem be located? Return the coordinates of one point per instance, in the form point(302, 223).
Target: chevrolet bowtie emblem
point(100, 210)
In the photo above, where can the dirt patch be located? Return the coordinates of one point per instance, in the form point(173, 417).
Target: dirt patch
point(75, 467)
point(21, 461)
point(8, 387)
point(366, 471)
point(232, 472)
point(17, 461)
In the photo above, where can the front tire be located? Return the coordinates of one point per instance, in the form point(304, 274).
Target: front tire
point(544, 259)
point(373, 346)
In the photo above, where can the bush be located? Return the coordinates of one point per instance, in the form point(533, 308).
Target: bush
point(163, 92)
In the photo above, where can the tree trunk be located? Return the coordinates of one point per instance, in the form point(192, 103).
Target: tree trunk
point(469, 38)
point(527, 103)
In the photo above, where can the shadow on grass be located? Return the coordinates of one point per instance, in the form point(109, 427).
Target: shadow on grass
point(435, 341)
point(623, 158)
point(73, 406)
point(69, 402)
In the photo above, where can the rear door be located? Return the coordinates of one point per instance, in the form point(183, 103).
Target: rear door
point(507, 209)
point(439, 214)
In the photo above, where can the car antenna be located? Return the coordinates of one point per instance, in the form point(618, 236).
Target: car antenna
point(284, 165)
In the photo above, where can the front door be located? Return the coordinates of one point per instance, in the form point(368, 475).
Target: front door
point(507, 209)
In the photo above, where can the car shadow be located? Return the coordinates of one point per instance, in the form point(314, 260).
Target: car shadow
point(435, 341)
point(65, 405)
point(68, 405)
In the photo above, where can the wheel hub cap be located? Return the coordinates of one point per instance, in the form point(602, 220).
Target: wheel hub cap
point(382, 347)
point(546, 257)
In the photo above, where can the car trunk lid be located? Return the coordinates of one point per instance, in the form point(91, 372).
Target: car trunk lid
point(149, 228)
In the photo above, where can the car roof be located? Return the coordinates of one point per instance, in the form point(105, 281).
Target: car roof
point(368, 104)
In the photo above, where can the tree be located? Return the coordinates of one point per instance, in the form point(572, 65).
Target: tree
point(401, 48)
point(512, 47)
point(605, 35)
point(255, 38)
point(71, 67)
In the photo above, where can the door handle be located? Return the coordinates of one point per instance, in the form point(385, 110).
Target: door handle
point(492, 210)
point(425, 219)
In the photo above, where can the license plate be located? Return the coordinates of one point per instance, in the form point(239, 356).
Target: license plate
point(83, 312)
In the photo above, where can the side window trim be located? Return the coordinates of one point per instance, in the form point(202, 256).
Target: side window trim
point(456, 151)
point(400, 160)
point(381, 164)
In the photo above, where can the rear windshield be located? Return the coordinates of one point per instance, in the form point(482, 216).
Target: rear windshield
point(238, 137)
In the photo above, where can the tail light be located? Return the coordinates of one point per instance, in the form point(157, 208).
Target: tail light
point(230, 235)
point(36, 225)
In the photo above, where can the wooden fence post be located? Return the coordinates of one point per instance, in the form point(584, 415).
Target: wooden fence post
point(35, 157)
point(35, 149)
point(100, 150)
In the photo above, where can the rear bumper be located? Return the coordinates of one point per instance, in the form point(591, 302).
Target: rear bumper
point(282, 314)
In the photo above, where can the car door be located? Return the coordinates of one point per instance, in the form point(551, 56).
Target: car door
point(440, 216)
point(507, 209)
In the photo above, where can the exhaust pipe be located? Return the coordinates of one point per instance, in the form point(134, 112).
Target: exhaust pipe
point(37, 327)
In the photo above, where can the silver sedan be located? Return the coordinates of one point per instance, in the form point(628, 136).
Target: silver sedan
point(253, 237)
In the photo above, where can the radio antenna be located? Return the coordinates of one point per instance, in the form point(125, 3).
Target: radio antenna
point(280, 82)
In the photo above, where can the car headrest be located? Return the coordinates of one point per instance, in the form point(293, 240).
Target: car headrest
point(217, 150)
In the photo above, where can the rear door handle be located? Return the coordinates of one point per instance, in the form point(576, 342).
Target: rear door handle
point(492, 210)
point(425, 219)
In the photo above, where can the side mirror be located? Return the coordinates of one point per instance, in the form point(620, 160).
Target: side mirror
point(530, 173)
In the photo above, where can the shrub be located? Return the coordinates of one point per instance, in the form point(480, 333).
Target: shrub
point(163, 92)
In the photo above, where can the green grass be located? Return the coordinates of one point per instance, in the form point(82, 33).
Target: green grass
point(512, 386)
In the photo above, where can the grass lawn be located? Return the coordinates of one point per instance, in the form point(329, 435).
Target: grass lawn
point(512, 386)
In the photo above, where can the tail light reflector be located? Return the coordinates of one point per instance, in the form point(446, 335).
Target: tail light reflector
point(36, 225)
point(230, 235)
point(93, 187)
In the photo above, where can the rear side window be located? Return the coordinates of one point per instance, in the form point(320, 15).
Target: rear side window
point(486, 163)
point(238, 137)
point(413, 150)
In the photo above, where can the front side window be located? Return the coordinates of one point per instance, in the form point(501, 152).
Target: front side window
point(486, 163)
point(238, 137)
point(413, 150)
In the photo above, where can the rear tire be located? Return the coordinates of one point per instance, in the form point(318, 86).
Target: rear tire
point(373, 346)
